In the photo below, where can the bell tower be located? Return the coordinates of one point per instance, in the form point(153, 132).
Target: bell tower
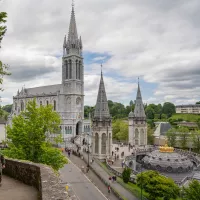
point(73, 79)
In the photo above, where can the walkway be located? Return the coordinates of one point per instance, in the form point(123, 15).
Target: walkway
point(12, 189)
point(82, 187)
point(106, 176)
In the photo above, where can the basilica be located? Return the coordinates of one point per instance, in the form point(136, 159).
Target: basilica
point(67, 98)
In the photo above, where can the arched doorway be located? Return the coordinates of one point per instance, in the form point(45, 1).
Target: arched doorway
point(103, 144)
point(96, 143)
point(78, 128)
point(142, 137)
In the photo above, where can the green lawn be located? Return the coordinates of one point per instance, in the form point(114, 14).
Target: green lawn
point(185, 117)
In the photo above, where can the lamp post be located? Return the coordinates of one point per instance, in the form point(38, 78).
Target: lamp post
point(141, 182)
point(88, 153)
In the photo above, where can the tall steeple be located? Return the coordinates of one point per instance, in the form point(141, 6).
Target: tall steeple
point(139, 107)
point(73, 42)
point(101, 108)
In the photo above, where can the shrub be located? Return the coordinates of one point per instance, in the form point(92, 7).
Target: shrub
point(126, 175)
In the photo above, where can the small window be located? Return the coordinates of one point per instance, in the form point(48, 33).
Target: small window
point(54, 105)
point(15, 106)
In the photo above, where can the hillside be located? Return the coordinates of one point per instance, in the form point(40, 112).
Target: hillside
point(185, 117)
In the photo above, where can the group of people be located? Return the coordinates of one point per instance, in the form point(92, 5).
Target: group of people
point(113, 178)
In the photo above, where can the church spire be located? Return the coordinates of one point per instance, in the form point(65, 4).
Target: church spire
point(72, 34)
point(73, 42)
point(101, 108)
point(139, 107)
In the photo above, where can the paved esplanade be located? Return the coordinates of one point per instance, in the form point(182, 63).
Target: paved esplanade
point(82, 186)
point(12, 189)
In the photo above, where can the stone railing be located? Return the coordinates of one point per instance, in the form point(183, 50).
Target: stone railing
point(39, 176)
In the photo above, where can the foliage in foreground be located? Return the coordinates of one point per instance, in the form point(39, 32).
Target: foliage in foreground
point(126, 175)
point(157, 186)
point(192, 191)
point(28, 138)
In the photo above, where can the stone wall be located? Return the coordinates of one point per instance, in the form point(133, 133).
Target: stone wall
point(39, 176)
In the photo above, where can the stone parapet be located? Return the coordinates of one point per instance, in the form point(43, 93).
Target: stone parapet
point(40, 176)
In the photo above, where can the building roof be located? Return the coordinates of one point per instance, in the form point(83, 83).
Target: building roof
point(189, 105)
point(162, 129)
point(37, 91)
point(101, 108)
point(139, 107)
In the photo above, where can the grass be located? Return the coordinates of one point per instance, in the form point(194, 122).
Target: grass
point(185, 117)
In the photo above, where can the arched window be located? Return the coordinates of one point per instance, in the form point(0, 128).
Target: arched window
point(79, 74)
point(77, 69)
point(15, 106)
point(54, 105)
point(40, 103)
point(47, 103)
point(65, 130)
point(103, 144)
point(70, 69)
point(67, 70)
point(96, 143)
point(22, 106)
point(70, 132)
point(142, 138)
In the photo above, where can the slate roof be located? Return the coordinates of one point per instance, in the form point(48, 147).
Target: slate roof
point(139, 107)
point(162, 129)
point(49, 89)
point(101, 108)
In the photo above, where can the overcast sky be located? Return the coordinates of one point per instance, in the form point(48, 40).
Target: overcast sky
point(157, 40)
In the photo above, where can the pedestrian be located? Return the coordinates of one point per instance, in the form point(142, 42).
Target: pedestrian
point(110, 179)
point(113, 178)
point(109, 189)
point(2, 166)
point(112, 153)
point(69, 152)
point(122, 164)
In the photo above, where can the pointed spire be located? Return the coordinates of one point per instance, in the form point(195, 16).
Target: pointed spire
point(64, 43)
point(72, 35)
point(139, 107)
point(80, 42)
point(101, 108)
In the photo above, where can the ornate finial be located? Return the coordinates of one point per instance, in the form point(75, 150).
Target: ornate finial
point(101, 68)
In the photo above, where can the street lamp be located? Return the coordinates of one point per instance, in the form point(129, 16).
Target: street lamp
point(141, 182)
point(88, 152)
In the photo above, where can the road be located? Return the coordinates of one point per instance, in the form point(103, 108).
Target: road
point(81, 184)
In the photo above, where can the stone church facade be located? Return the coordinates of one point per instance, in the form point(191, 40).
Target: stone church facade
point(66, 98)
point(137, 122)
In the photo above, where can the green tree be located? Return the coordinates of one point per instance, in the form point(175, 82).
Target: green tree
point(149, 112)
point(150, 137)
point(198, 102)
point(168, 109)
point(158, 186)
point(120, 130)
point(196, 140)
point(171, 137)
point(184, 136)
point(7, 108)
point(192, 191)
point(126, 174)
point(29, 136)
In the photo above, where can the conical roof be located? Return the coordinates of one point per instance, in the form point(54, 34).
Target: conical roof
point(139, 107)
point(72, 34)
point(101, 108)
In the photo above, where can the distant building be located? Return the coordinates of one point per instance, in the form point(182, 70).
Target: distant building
point(2, 130)
point(193, 109)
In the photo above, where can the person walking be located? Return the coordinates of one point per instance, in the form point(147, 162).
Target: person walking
point(109, 189)
point(2, 166)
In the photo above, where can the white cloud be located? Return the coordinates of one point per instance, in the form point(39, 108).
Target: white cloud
point(156, 40)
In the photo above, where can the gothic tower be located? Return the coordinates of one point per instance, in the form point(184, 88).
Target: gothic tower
point(72, 92)
point(137, 122)
point(102, 125)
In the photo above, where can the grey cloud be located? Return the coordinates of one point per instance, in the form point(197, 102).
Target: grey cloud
point(22, 74)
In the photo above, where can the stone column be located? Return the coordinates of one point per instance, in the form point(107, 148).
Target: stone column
point(93, 144)
point(99, 144)
point(107, 144)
